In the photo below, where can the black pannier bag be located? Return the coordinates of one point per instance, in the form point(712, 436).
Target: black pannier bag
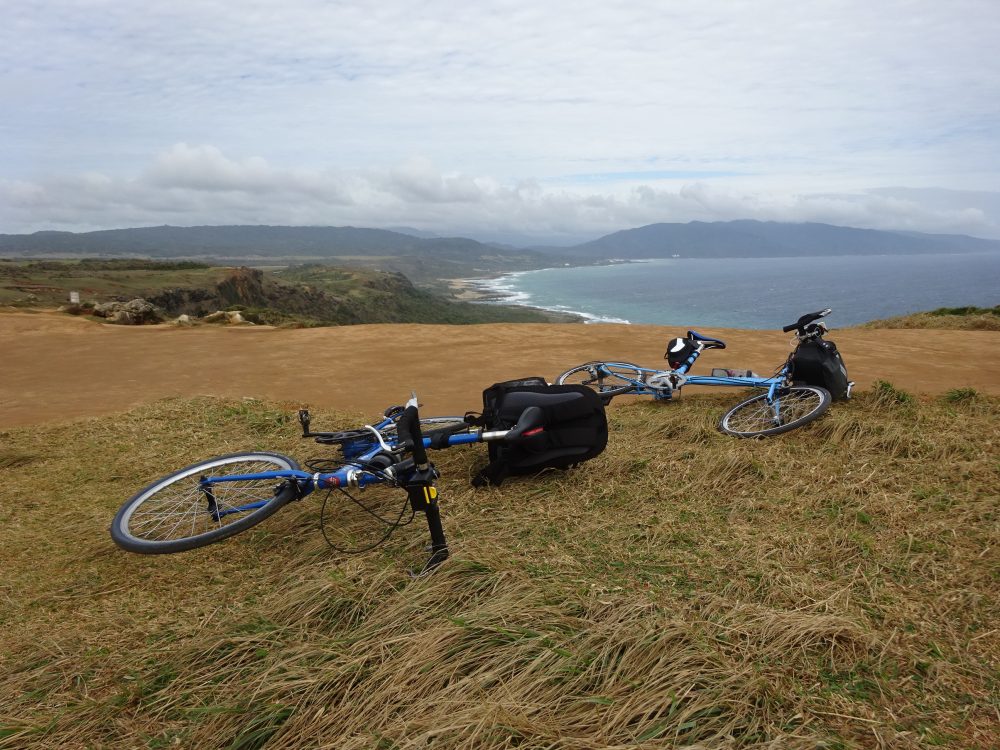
point(817, 362)
point(574, 428)
point(679, 351)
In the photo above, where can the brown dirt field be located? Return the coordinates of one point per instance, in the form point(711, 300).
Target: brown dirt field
point(54, 367)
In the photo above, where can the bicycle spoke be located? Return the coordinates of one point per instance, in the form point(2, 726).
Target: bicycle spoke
point(182, 509)
point(790, 408)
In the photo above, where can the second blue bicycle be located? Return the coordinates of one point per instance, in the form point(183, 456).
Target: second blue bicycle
point(791, 398)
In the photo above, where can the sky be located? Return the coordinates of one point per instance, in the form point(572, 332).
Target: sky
point(519, 121)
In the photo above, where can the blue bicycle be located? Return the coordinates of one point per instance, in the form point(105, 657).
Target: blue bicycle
point(215, 499)
point(785, 405)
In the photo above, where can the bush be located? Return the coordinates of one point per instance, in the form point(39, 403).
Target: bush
point(886, 393)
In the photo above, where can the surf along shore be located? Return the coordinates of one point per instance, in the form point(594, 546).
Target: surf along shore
point(57, 367)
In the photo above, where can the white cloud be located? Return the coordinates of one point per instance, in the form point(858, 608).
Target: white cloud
point(480, 114)
point(201, 185)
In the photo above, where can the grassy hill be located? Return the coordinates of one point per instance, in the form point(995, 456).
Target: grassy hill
point(959, 318)
point(423, 259)
point(834, 588)
point(239, 242)
point(306, 294)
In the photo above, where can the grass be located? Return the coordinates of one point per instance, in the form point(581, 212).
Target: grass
point(48, 283)
point(968, 318)
point(834, 587)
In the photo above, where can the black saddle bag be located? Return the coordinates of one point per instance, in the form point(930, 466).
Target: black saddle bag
point(818, 362)
point(574, 428)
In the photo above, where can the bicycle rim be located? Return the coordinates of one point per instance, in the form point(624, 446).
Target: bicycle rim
point(609, 379)
point(175, 513)
point(792, 407)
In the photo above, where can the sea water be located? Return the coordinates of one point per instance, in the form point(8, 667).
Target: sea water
point(757, 292)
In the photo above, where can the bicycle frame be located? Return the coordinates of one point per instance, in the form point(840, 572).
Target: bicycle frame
point(661, 384)
point(353, 474)
point(202, 503)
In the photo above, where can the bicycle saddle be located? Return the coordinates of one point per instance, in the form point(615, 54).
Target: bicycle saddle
point(709, 343)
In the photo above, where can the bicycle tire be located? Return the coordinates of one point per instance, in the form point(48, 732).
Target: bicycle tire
point(586, 374)
point(177, 496)
point(755, 418)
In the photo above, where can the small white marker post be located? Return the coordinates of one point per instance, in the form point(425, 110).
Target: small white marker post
point(74, 298)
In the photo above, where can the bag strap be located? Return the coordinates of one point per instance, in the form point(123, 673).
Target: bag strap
point(492, 474)
point(474, 419)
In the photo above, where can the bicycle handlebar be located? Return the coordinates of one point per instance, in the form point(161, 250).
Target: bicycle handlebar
point(805, 320)
point(410, 435)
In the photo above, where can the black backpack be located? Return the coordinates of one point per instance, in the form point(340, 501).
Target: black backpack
point(817, 362)
point(574, 428)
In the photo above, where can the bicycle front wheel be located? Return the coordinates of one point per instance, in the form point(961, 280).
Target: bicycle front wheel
point(176, 513)
point(792, 407)
point(607, 378)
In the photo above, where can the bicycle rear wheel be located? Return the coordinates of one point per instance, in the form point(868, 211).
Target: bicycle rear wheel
point(607, 378)
point(792, 407)
point(175, 513)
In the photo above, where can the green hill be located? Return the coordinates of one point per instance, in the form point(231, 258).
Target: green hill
point(832, 588)
point(308, 294)
point(423, 259)
point(969, 318)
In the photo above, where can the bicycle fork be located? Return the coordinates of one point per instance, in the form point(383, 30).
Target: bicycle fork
point(423, 496)
point(774, 404)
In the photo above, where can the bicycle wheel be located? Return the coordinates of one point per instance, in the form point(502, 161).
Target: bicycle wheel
point(607, 378)
point(174, 514)
point(795, 406)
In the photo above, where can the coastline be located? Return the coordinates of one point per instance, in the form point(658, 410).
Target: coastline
point(496, 290)
point(489, 291)
point(728, 293)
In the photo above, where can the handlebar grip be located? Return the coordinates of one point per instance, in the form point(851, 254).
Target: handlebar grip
point(806, 319)
point(408, 428)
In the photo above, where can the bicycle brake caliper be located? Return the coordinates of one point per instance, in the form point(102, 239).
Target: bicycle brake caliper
point(213, 506)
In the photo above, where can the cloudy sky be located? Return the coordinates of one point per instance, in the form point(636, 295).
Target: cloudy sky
point(549, 121)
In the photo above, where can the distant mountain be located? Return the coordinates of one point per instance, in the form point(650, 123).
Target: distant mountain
point(413, 232)
point(448, 257)
point(243, 242)
point(760, 239)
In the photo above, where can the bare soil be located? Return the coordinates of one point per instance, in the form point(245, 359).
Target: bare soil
point(55, 367)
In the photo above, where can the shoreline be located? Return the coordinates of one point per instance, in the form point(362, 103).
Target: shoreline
point(479, 292)
point(591, 295)
point(489, 290)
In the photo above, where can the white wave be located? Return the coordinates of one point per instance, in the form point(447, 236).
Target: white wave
point(504, 288)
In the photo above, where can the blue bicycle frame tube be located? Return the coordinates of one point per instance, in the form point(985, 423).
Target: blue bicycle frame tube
point(308, 483)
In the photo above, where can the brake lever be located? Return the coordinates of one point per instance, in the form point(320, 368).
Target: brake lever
point(378, 436)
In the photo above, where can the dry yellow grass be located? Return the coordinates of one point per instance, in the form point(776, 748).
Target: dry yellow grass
point(834, 587)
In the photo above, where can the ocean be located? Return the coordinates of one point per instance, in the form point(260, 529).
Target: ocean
point(757, 292)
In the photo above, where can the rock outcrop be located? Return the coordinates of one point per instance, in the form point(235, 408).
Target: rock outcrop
point(134, 312)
